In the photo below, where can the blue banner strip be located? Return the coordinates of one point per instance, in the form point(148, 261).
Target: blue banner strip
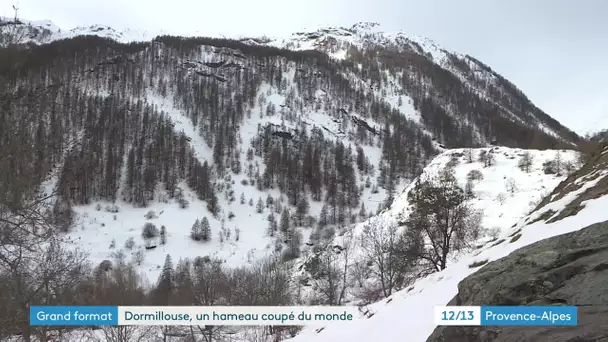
point(529, 315)
point(73, 315)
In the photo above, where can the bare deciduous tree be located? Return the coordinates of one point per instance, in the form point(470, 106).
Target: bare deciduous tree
point(385, 252)
point(441, 217)
point(125, 333)
point(35, 266)
point(487, 158)
point(331, 277)
point(525, 162)
point(474, 175)
point(511, 185)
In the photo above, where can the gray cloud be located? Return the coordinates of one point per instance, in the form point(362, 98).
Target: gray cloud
point(554, 50)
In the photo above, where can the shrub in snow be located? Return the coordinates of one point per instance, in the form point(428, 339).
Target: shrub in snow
point(150, 215)
point(231, 215)
point(138, 257)
point(130, 243)
point(112, 208)
point(493, 233)
point(119, 256)
point(501, 198)
point(549, 167)
point(488, 159)
point(183, 203)
point(98, 207)
point(511, 186)
point(474, 175)
point(149, 231)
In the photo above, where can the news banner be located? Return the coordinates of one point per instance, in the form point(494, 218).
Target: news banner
point(287, 315)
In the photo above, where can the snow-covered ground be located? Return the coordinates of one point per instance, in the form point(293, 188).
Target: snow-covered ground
point(409, 312)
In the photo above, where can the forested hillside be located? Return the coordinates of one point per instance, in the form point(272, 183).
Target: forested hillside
point(92, 116)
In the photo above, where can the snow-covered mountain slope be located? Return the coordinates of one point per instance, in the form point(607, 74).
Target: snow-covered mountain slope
point(364, 38)
point(339, 42)
point(504, 194)
point(240, 230)
point(216, 118)
point(45, 31)
point(578, 201)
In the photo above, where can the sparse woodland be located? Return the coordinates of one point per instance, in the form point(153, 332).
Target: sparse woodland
point(83, 110)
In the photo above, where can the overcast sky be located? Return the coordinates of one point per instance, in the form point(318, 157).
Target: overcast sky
point(556, 51)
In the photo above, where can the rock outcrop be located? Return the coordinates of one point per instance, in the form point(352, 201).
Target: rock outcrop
point(569, 269)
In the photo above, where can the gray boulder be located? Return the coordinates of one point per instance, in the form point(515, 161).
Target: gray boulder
point(569, 269)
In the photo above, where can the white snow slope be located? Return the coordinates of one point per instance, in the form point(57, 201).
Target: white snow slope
point(407, 314)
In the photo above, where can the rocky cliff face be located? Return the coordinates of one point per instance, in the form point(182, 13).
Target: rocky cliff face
point(569, 269)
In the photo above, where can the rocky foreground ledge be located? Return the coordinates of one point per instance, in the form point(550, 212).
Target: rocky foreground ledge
point(569, 269)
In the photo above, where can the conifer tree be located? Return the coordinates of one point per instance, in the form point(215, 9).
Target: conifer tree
point(166, 283)
point(195, 232)
point(285, 224)
point(205, 229)
point(525, 162)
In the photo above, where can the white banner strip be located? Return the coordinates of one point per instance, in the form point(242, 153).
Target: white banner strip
point(235, 315)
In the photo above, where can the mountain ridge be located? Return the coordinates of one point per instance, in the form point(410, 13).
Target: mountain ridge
point(335, 41)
